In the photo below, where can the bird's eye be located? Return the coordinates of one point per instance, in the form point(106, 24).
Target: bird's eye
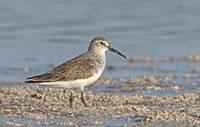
point(102, 43)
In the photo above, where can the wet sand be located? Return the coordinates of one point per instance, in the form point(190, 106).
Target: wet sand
point(51, 107)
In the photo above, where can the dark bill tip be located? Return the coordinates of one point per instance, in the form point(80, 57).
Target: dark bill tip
point(117, 52)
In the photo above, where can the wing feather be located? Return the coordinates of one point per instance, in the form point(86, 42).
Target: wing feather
point(70, 70)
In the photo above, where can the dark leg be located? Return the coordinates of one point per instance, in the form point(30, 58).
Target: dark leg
point(71, 99)
point(82, 99)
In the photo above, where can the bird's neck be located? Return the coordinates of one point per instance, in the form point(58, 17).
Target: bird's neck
point(98, 54)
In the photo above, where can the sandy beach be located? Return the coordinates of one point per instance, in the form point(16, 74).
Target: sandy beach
point(49, 106)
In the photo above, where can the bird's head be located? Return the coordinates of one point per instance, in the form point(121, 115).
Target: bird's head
point(100, 44)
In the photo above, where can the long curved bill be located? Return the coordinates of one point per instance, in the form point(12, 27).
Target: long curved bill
point(117, 52)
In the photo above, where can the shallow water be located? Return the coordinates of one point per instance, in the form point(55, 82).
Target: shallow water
point(43, 34)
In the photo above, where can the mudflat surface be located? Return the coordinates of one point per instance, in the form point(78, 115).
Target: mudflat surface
point(31, 106)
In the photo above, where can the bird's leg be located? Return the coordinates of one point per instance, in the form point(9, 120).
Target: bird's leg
point(71, 99)
point(82, 99)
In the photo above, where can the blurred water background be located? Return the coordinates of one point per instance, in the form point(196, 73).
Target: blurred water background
point(43, 34)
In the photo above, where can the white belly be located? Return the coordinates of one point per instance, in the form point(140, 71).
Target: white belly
point(79, 83)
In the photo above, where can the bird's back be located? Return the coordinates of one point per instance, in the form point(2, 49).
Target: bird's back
point(81, 67)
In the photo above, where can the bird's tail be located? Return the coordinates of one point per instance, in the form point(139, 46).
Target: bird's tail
point(39, 78)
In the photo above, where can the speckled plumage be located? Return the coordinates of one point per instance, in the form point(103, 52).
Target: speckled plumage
point(81, 67)
point(79, 72)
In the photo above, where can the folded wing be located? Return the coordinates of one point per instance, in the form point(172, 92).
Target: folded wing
point(71, 70)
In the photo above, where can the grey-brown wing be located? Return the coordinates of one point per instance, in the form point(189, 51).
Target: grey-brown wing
point(39, 78)
point(72, 70)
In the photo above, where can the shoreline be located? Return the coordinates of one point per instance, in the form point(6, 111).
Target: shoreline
point(32, 103)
